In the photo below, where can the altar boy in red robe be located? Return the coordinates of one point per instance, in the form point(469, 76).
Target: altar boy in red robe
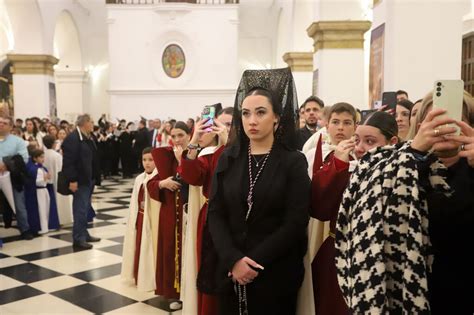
point(168, 188)
point(141, 236)
point(330, 179)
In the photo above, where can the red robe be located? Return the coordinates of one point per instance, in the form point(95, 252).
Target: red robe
point(328, 185)
point(168, 265)
point(199, 172)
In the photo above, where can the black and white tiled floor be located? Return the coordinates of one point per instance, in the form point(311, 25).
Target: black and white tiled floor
point(46, 276)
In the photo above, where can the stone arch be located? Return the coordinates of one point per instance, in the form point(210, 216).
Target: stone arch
point(24, 37)
point(67, 47)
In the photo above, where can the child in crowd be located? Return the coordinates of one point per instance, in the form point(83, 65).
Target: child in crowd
point(141, 236)
point(39, 195)
point(53, 161)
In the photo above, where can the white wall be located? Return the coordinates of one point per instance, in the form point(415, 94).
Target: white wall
point(6, 31)
point(26, 26)
point(33, 25)
point(423, 43)
point(341, 76)
point(69, 93)
point(341, 72)
point(304, 85)
point(258, 25)
point(340, 10)
point(165, 104)
point(34, 102)
point(138, 36)
point(90, 18)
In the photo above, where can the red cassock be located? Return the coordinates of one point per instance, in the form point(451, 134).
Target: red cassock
point(330, 179)
point(168, 265)
point(139, 227)
point(199, 172)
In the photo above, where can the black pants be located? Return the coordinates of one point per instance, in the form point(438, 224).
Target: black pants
point(259, 303)
point(6, 210)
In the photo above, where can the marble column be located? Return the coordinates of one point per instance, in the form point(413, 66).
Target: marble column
point(33, 84)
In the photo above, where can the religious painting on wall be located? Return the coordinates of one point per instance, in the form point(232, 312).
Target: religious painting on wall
point(6, 97)
point(376, 66)
point(173, 61)
point(53, 108)
point(315, 81)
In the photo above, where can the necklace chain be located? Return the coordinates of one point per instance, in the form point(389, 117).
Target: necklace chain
point(241, 290)
point(257, 162)
point(254, 180)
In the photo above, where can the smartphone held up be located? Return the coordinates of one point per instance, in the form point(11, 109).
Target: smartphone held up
point(448, 95)
point(209, 114)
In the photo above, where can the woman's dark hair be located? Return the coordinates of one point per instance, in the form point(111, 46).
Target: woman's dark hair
point(53, 126)
point(383, 121)
point(406, 103)
point(35, 129)
point(181, 125)
point(266, 93)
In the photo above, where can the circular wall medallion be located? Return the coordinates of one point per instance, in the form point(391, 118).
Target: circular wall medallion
point(173, 61)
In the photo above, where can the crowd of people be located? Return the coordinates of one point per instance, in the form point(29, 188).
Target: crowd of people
point(271, 208)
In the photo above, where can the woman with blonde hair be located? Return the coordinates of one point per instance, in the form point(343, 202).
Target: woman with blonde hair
point(452, 218)
point(418, 234)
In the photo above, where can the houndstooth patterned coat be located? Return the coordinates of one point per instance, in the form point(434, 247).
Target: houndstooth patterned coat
point(382, 243)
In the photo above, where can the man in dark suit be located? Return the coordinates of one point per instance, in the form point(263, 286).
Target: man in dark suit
point(155, 134)
point(312, 106)
point(81, 170)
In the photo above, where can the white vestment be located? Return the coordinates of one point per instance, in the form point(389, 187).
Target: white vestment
point(43, 198)
point(149, 242)
point(196, 200)
point(53, 161)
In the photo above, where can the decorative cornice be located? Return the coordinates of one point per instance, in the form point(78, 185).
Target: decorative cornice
point(338, 34)
point(65, 76)
point(299, 61)
point(172, 92)
point(32, 64)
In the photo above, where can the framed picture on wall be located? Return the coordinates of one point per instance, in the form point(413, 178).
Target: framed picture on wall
point(173, 61)
point(53, 109)
point(315, 81)
point(376, 65)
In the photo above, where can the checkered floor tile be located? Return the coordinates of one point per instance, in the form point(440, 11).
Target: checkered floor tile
point(47, 276)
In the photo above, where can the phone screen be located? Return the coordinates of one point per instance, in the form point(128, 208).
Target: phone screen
point(209, 112)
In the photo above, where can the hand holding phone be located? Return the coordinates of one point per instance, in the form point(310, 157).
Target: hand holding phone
point(448, 95)
point(389, 100)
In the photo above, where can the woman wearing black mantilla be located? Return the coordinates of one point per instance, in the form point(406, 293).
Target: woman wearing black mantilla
point(258, 210)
